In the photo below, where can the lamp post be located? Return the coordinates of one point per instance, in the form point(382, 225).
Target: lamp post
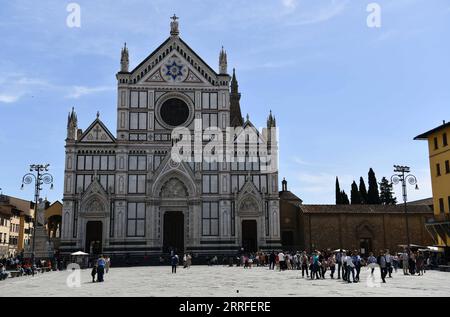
point(402, 176)
point(40, 177)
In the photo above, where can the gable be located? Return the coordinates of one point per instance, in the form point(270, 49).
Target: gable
point(97, 133)
point(154, 69)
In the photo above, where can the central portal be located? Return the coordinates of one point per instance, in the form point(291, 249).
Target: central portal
point(94, 235)
point(173, 232)
point(249, 236)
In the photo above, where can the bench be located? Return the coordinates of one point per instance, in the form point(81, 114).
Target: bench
point(444, 268)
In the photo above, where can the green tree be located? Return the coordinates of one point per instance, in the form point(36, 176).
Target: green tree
point(362, 191)
point(345, 200)
point(338, 193)
point(355, 197)
point(373, 196)
point(387, 193)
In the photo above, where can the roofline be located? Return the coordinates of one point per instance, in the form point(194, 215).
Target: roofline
point(424, 136)
point(164, 43)
point(97, 120)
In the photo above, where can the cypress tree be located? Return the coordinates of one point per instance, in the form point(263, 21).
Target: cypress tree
point(338, 193)
point(373, 196)
point(386, 193)
point(362, 191)
point(355, 197)
point(345, 200)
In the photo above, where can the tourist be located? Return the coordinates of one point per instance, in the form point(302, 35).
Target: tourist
point(339, 262)
point(189, 260)
point(357, 261)
point(389, 261)
point(272, 260)
point(315, 266)
point(372, 262)
point(412, 263)
point(405, 262)
point(281, 260)
point(323, 265)
point(350, 268)
point(174, 263)
point(383, 266)
point(304, 264)
point(184, 261)
point(331, 262)
point(3, 273)
point(288, 259)
point(107, 264)
point(100, 268)
point(395, 261)
point(420, 263)
point(344, 266)
point(94, 273)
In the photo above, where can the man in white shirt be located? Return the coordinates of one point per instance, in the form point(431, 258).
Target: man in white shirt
point(344, 266)
point(389, 260)
point(281, 260)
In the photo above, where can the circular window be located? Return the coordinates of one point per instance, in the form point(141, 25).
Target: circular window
point(174, 112)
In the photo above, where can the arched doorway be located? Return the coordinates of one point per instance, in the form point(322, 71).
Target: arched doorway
point(173, 231)
point(249, 235)
point(94, 236)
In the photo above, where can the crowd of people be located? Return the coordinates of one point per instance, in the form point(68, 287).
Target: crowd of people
point(21, 266)
point(339, 263)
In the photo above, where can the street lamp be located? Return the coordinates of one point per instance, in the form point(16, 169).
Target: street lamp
point(41, 177)
point(402, 176)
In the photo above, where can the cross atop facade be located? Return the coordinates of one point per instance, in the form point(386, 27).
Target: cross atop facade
point(174, 31)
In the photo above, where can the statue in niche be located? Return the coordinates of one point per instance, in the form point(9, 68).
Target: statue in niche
point(174, 188)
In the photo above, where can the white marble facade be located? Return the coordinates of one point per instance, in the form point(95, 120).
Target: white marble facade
point(125, 191)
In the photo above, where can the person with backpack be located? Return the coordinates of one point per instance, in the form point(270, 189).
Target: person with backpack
point(100, 268)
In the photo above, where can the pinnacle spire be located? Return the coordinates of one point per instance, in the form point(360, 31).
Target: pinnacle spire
point(223, 63)
point(124, 59)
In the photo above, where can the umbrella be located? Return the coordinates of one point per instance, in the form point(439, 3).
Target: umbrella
point(339, 250)
point(79, 253)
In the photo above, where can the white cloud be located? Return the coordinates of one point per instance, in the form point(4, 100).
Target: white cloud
point(321, 14)
point(9, 98)
point(290, 4)
point(14, 86)
point(79, 91)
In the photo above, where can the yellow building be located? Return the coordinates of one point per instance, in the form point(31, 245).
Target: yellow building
point(439, 153)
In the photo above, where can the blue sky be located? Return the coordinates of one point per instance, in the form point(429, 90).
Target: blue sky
point(346, 97)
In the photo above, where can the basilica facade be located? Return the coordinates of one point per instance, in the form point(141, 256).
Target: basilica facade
point(184, 170)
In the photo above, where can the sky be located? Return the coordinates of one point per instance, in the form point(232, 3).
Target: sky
point(346, 96)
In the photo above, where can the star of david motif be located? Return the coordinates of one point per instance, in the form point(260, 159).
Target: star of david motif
point(174, 70)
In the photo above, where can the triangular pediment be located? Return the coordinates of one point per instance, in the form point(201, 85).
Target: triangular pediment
point(97, 132)
point(248, 127)
point(170, 168)
point(174, 62)
point(249, 189)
